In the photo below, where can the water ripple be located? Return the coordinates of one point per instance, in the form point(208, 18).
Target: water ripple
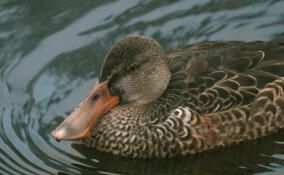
point(50, 56)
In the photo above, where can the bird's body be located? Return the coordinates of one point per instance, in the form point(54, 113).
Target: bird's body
point(192, 99)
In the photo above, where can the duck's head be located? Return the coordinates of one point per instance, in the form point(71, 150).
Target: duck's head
point(134, 72)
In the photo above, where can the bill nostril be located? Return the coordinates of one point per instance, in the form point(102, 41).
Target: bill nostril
point(95, 97)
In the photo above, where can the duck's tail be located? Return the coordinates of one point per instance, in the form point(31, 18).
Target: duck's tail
point(267, 112)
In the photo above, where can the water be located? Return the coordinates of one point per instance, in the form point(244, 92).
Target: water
point(50, 56)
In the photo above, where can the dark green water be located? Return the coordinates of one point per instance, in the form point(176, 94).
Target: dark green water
point(50, 56)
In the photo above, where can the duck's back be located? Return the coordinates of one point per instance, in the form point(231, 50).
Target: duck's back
point(235, 89)
point(221, 75)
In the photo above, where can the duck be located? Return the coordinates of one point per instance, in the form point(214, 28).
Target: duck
point(154, 103)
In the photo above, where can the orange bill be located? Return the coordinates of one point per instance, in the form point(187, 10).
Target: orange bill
point(81, 120)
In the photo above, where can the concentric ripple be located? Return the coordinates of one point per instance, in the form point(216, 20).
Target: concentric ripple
point(50, 56)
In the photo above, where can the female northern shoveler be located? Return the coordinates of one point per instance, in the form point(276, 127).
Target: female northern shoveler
point(150, 103)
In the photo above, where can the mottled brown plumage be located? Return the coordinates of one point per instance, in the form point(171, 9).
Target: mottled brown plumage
point(188, 100)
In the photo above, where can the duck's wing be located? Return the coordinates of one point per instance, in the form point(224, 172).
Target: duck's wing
point(216, 76)
point(263, 116)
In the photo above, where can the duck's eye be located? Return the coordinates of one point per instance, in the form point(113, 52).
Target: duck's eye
point(133, 67)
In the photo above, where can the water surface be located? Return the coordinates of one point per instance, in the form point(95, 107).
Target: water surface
point(50, 57)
